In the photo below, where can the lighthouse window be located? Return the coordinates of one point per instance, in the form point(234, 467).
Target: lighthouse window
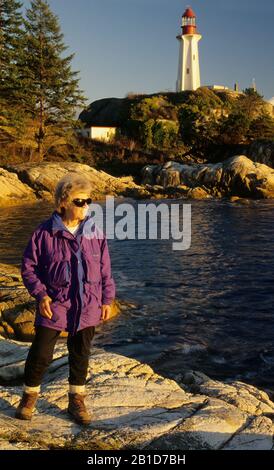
point(187, 71)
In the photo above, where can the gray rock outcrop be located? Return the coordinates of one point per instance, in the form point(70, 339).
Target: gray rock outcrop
point(237, 176)
point(27, 183)
point(40, 180)
point(135, 408)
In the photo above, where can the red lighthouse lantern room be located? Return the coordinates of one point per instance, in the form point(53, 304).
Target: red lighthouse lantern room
point(189, 22)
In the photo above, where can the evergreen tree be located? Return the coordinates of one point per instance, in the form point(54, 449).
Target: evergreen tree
point(52, 88)
point(262, 127)
point(234, 129)
point(11, 53)
point(11, 50)
point(251, 103)
point(12, 119)
point(198, 126)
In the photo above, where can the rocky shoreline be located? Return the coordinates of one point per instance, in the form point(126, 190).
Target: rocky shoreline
point(237, 177)
point(133, 407)
point(28, 183)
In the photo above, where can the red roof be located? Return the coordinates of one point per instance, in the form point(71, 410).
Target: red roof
point(189, 13)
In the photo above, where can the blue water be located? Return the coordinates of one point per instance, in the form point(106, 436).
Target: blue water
point(208, 308)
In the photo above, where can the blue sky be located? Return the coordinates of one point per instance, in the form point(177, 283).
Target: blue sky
point(126, 46)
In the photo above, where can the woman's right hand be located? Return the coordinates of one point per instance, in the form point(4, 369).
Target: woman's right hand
point(44, 307)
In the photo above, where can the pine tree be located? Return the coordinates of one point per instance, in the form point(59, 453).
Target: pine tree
point(262, 127)
point(11, 34)
point(52, 88)
point(11, 52)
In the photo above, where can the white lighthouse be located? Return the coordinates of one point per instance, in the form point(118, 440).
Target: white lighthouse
point(189, 67)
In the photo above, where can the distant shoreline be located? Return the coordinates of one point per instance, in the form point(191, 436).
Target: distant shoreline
point(236, 177)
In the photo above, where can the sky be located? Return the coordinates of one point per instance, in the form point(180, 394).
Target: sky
point(124, 46)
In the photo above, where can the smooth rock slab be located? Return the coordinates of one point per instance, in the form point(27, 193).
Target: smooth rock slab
point(257, 436)
point(209, 428)
point(132, 408)
point(13, 191)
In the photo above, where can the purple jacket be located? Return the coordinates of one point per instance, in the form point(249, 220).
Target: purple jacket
point(75, 271)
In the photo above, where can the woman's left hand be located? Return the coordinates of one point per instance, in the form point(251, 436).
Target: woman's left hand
point(106, 312)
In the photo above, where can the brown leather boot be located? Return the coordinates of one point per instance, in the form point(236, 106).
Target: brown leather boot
point(77, 408)
point(26, 406)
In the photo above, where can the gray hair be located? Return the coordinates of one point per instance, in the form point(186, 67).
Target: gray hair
point(69, 183)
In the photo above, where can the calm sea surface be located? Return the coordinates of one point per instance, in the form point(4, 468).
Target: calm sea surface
point(208, 308)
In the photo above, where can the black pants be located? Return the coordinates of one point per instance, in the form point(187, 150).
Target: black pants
point(41, 353)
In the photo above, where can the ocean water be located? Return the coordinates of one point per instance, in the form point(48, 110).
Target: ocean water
point(209, 308)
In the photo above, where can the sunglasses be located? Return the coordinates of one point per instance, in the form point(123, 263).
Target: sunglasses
point(82, 202)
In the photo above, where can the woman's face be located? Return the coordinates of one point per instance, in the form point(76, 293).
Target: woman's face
point(73, 212)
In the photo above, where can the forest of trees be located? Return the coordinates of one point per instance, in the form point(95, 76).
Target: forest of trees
point(39, 91)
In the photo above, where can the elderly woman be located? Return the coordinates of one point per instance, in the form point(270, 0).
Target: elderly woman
point(66, 267)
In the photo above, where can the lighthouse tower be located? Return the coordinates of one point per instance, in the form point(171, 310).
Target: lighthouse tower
point(189, 67)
